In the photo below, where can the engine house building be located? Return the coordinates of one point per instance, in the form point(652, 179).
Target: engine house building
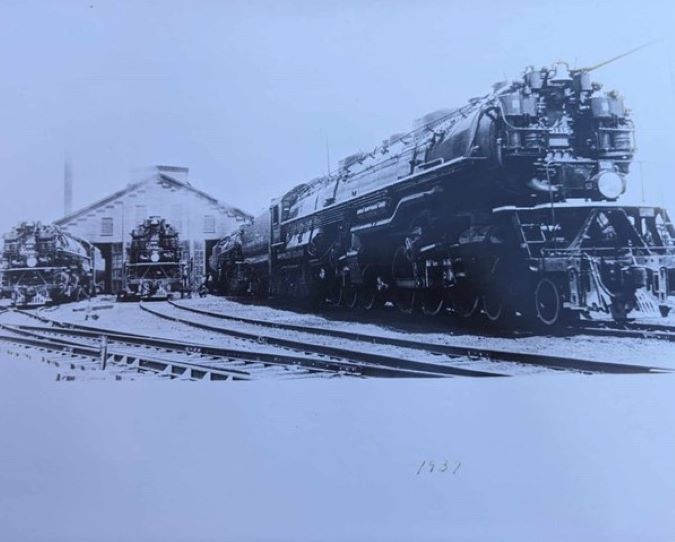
point(165, 191)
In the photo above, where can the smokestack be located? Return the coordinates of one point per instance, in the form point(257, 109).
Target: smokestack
point(67, 187)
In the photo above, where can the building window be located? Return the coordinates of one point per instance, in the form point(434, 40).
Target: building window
point(106, 225)
point(209, 224)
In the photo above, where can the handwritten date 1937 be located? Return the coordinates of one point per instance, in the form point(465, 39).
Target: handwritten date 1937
point(429, 466)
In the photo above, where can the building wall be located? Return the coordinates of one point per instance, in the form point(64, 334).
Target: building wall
point(195, 218)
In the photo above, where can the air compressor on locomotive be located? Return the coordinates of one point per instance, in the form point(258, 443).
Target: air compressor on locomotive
point(506, 206)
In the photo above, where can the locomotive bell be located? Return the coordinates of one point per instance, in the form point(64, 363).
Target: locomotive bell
point(561, 74)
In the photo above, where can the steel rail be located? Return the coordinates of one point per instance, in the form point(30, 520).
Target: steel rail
point(353, 355)
point(543, 360)
point(316, 365)
point(228, 354)
point(194, 371)
point(632, 330)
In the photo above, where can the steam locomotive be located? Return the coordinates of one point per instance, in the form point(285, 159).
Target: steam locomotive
point(154, 268)
point(504, 207)
point(238, 264)
point(42, 264)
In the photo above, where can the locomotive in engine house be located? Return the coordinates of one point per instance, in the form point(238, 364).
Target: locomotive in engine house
point(239, 262)
point(42, 264)
point(503, 207)
point(154, 268)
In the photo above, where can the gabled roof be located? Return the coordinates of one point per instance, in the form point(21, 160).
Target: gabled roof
point(158, 176)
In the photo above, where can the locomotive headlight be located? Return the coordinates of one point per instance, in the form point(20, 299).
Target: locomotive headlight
point(154, 257)
point(31, 261)
point(611, 185)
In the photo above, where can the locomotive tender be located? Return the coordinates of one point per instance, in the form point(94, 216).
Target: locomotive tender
point(42, 264)
point(504, 206)
point(154, 266)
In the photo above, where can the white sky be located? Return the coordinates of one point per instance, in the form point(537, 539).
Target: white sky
point(248, 94)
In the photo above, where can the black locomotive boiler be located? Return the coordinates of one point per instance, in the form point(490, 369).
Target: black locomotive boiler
point(239, 262)
point(154, 268)
point(42, 264)
point(506, 206)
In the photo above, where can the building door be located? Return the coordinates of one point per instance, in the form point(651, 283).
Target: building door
point(106, 252)
point(118, 258)
point(208, 247)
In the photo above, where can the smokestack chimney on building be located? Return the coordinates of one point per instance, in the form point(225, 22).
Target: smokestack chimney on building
point(67, 187)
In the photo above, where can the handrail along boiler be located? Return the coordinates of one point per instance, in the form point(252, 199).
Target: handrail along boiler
point(504, 206)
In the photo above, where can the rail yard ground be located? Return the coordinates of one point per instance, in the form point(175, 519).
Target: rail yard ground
point(547, 454)
point(129, 318)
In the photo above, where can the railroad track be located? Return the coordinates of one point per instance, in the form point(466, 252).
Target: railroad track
point(315, 359)
point(633, 330)
point(452, 351)
point(416, 323)
point(358, 356)
point(332, 365)
point(86, 354)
